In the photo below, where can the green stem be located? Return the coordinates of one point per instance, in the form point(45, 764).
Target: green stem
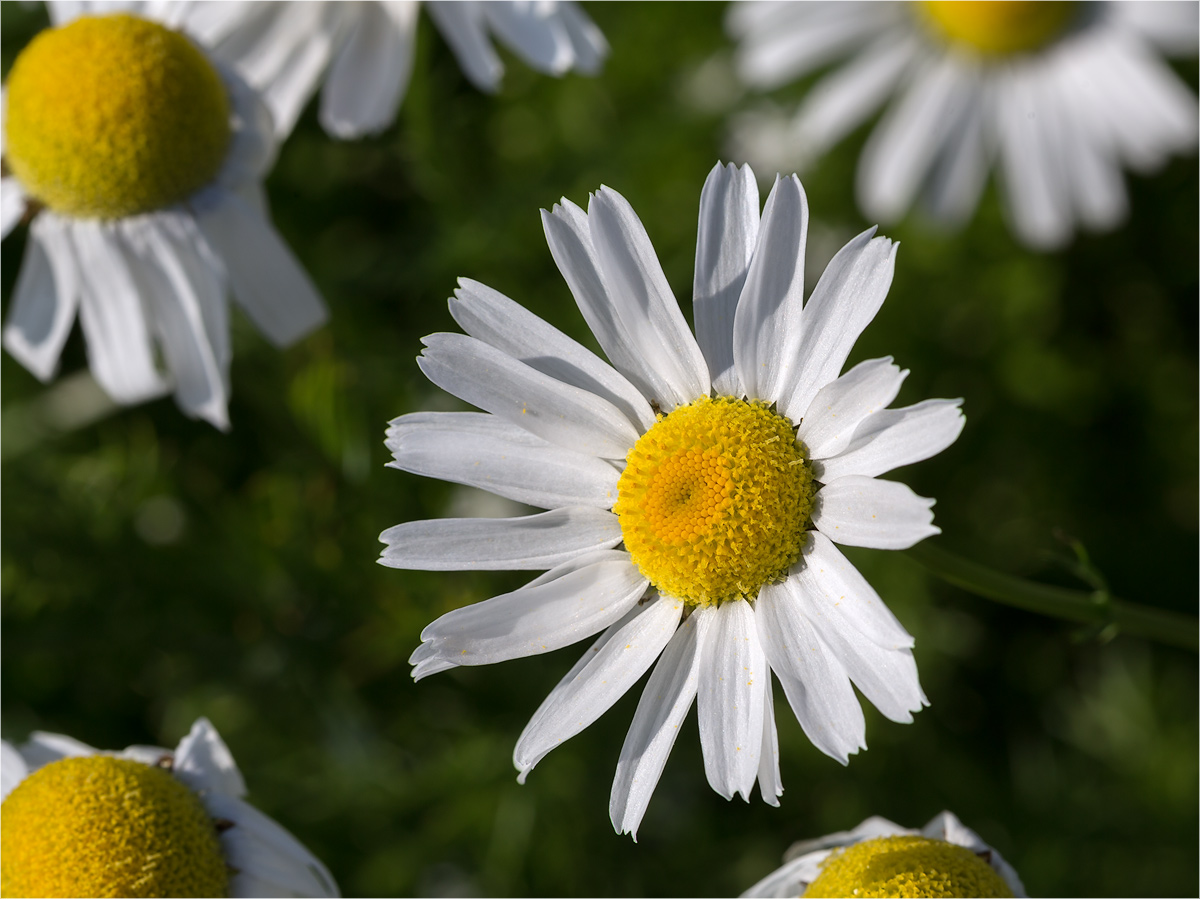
point(1174, 628)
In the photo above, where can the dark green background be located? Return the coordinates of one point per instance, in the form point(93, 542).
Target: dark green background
point(267, 612)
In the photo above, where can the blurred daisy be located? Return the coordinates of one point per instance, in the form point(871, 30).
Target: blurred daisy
point(1058, 96)
point(140, 162)
point(879, 858)
point(363, 52)
point(142, 822)
point(696, 488)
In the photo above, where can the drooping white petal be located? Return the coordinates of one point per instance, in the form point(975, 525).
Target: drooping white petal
point(840, 406)
point(728, 232)
point(845, 300)
point(893, 437)
point(12, 204)
point(613, 664)
point(204, 762)
point(532, 542)
point(663, 706)
point(862, 511)
point(817, 686)
point(587, 41)
point(12, 769)
point(770, 782)
point(462, 27)
point(960, 172)
point(730, 698)
point(492, 380)
point(482, 451)
point(534, 31)
point(45, 298)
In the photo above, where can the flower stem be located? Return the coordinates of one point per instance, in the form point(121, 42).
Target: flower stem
point(1093, 607)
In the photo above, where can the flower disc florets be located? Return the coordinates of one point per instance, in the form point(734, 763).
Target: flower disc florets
point(715, 500)
point(1000, 26)
point(104, 826)
point(114, 115)
point(907, 866)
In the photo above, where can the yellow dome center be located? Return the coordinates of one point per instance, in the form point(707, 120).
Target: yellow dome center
point(715, 500)
point(114, 115)
point(102, 826)
point(999, 26)
point(907, 866)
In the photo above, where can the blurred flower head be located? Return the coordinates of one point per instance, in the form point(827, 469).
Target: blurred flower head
point(1056, 96)
point(139, 160)
point(696, 488)
point(142, 822)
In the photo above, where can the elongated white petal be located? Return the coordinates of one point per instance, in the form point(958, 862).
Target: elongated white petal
point(846, 298)
point(493, 318)
point(770, 782)
point(661, 710)
point(587, 41)
point(894, 437)
point(534, 32)
point(728, 233)
point(766, 327)
point(609, 668)
point(12, 769)
point(959, 176)
point(204, 762)
point(480, 452)
point(42, 748)
point(840, 406)
point(12, 204)
point(492, 380)
point(462, 27)
point(533, 542)
point(862, 511)
point(45, 298)
point(817, 686)
point(730, 698)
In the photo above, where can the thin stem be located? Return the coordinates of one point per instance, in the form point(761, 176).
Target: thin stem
point(1174, 628)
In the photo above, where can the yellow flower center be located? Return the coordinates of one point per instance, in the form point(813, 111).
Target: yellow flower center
point(907, 866)
point(715, 499)
point(999, 26)
point(114, 115)
point(102, 826)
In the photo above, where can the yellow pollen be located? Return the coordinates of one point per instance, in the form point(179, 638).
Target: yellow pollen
point(907, 866)
point(114, 115)
point(1000, 26)
point(715, 500)
point(103, 826)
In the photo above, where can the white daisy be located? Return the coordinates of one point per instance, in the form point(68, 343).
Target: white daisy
point(1057, 96)
point(943, 854)
point(363, 52)
point(140, 162)
point(696, 488)
point(142, 822)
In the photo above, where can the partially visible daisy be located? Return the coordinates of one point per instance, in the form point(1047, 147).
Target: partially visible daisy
point(142, 822)
point(1057, 96)
point(879, 858)
point(696, 488)
point(363, 52)
point(140, 161)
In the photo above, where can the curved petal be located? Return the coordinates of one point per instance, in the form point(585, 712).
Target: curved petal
point(12, 769)
point(45, 298)
point(42, 748)
point(861, 511)
point(840, 406)
point(204, 762)
point(894, 437)
point(770, 782)
point(462, 27)
point(587, 41)
point(534, 32)
point(12, 204)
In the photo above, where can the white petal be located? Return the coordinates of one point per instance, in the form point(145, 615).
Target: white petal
point(638, 289)
point(840, 406)
point(661, 710)
point(613, 664)
point(45, 298)
point(730, 698)
point(894, 437)
point(533, 32)
point(728, 232)
point(462, 27)
point(845, 300)
point(370, 74)
point(266, 278)
point(12, 769)
point(959, 175)
point(587, 41)
point(532, 542)
point(817, 686)
point(43, 748)
point(861, 511)
point(473, 452)
point(495, 319)
point(492, 380)
point(767, 325)
point(770, 782)
point(204, 762)
point(12, 204)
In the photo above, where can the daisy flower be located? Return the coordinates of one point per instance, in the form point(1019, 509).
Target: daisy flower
point(142, 822)
point(696, 488)
point(1056, 96)
point(363, 52)
point(140, 161)
point(879, 858)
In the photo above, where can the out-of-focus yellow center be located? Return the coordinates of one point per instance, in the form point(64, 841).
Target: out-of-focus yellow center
point(999, 26)
point(715, 500)
point(114, 115)
point(907, 866)
point(102, 826)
